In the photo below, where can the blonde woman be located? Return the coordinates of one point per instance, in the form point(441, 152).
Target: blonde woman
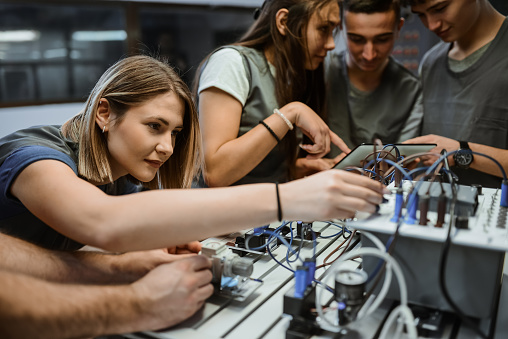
point(63, 187)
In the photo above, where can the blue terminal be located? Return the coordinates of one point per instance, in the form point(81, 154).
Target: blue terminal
point(412, 208)
point(399, 201)
point(260, 230)
point(229, 282)
point(311, 265)
point(300, 281)
point(504, 193)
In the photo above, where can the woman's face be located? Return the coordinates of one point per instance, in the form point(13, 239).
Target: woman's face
point(145, 137)
point(320, 34)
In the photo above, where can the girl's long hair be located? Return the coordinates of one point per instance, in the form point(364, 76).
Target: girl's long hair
point(292, 82)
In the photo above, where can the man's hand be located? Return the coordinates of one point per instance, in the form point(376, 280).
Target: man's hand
point(307, 166)
point(192, 247)
point(173, 292)
point(441, 142)
point(131, 266)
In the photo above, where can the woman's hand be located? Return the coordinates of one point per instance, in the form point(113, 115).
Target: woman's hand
point(333, 194)
point(314, 127)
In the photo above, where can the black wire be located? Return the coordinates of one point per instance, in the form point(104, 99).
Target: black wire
point(442, 267)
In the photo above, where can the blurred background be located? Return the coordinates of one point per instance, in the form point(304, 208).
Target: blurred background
point(52, 52)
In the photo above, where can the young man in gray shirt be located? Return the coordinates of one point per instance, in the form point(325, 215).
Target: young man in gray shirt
point(370, 95)
point(465, 82)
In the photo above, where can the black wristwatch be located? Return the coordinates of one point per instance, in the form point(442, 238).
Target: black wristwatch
point(464, 156)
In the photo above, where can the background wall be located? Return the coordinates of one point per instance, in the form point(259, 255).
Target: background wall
point(15, 118)
point(47, 79)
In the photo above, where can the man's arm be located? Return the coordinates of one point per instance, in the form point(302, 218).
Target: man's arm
point(32, 308)
point(479, 163)
point(83, 267)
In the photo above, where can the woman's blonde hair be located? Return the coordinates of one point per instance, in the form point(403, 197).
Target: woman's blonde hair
point(128, 83)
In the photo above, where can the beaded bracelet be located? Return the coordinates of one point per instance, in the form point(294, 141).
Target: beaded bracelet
point(286, 120)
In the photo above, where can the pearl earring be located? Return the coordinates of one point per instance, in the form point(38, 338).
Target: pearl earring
point(103, 128)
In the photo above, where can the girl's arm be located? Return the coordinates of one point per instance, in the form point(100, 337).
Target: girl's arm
point(165, 218)
point(229, 158)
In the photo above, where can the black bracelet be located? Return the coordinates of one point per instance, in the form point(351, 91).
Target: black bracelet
point(270, 130)
point(279, 208)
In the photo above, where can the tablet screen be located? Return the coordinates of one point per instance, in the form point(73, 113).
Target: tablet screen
point(358, 154)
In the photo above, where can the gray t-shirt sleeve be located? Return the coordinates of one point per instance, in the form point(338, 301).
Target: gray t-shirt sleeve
point(225, 70)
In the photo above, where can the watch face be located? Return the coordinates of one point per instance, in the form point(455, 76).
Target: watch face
point(463, 158)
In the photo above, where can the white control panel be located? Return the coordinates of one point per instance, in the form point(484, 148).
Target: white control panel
point(486, 228)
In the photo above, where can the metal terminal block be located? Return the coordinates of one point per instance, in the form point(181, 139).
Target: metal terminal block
point(231, 273)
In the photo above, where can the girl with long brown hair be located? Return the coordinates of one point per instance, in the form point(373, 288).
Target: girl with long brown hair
point(257, 95)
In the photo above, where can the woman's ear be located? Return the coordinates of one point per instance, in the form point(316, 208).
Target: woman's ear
point(103, 115)
point(281, 19)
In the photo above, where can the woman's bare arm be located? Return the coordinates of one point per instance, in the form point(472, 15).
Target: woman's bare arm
point(165, 218)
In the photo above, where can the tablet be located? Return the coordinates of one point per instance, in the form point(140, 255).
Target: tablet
point(358, 154)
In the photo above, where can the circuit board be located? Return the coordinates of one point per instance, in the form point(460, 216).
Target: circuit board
point(486, 225)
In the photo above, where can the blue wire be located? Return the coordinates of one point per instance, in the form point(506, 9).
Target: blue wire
point(394, 164)
point(416, 187)
point(290, 251)
point(395, 147)
point(332, 236)
point(269, 240)
point(291, 270)
point(372, 172)
point(432, 168)
point(417, 170)
point(278, 262)
point(342, 229)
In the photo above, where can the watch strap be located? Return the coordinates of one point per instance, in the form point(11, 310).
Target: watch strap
point(463, 145)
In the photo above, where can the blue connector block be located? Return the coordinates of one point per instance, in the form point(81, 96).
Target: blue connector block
point(311, 265)
point(504, 193)
point(399, 200)
point(300, 281)
point(260, 230)
point(411, 216)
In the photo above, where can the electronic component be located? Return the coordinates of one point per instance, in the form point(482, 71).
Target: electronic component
point(478, 245)
point(349, 294)
point(424, 208)
point(304, 231)
point(303, 323)
point(467, 197)
point(231, 273)
point(300, 301)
